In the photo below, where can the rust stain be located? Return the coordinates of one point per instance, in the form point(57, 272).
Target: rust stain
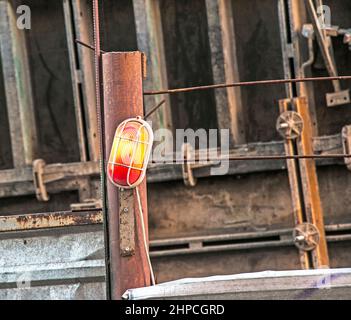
point(49, 220)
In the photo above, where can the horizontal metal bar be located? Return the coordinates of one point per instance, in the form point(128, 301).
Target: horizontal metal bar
point(18, 182)
point(49, 220)
point(252, 158)
point(246, 84)
point(322, 145)
point(221, 237)
point(163, 247)
point(221, 248)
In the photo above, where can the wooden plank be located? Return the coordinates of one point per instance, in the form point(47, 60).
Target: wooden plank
point(150, 41)
point(221, 32)
point(18, 88)
point(75, 77)
point(83, 30)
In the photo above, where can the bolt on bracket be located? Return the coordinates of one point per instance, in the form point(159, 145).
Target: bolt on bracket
point(126, 222)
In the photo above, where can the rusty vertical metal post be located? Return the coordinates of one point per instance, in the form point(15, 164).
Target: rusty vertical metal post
point(123, 98)
point(309, 231)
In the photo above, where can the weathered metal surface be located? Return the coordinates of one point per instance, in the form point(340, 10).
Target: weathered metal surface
point(346, 142)
point(49, 220)
point(32, 275)
point(18, 182)
point(82, 20)
point(222, 40)
point(304, 185)
point(292, 17)
point(151, 41)
point(289, 125)
point(310, 186)
point(51, 260)
point(77, 291)
point(123, 99)
point(18, 87)
point(127, 223)
point(338, 97)
point(76, 75)
point(292, 285)
point(306, 236)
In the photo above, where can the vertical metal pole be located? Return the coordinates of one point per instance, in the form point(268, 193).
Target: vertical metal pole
point(123, 98)
point(304, 187)
point(101, 128)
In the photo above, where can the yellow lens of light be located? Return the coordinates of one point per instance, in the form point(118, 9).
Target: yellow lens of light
point(130, 147)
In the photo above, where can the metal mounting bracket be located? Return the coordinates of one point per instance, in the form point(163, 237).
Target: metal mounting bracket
point(126, 222)
point(88, 204)
point(338, 98)
point(41, 178)
point(189, 165)
point(346, 142)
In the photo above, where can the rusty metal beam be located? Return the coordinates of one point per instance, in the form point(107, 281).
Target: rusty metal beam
point(314, 211)
point(38, 221)
point(123, 98)
point(167, 247)
point(304, 184)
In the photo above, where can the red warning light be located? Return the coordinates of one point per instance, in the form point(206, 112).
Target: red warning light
point(130, 153)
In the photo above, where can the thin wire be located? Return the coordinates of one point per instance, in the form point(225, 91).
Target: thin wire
point(154, 109)
point(100, 120)
point(245, 84)
point(250, 158)
point(144, 237)
point(87, 45)
point(235, 84)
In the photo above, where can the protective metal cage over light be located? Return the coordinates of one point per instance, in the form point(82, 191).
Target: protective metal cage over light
point(130, 153)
